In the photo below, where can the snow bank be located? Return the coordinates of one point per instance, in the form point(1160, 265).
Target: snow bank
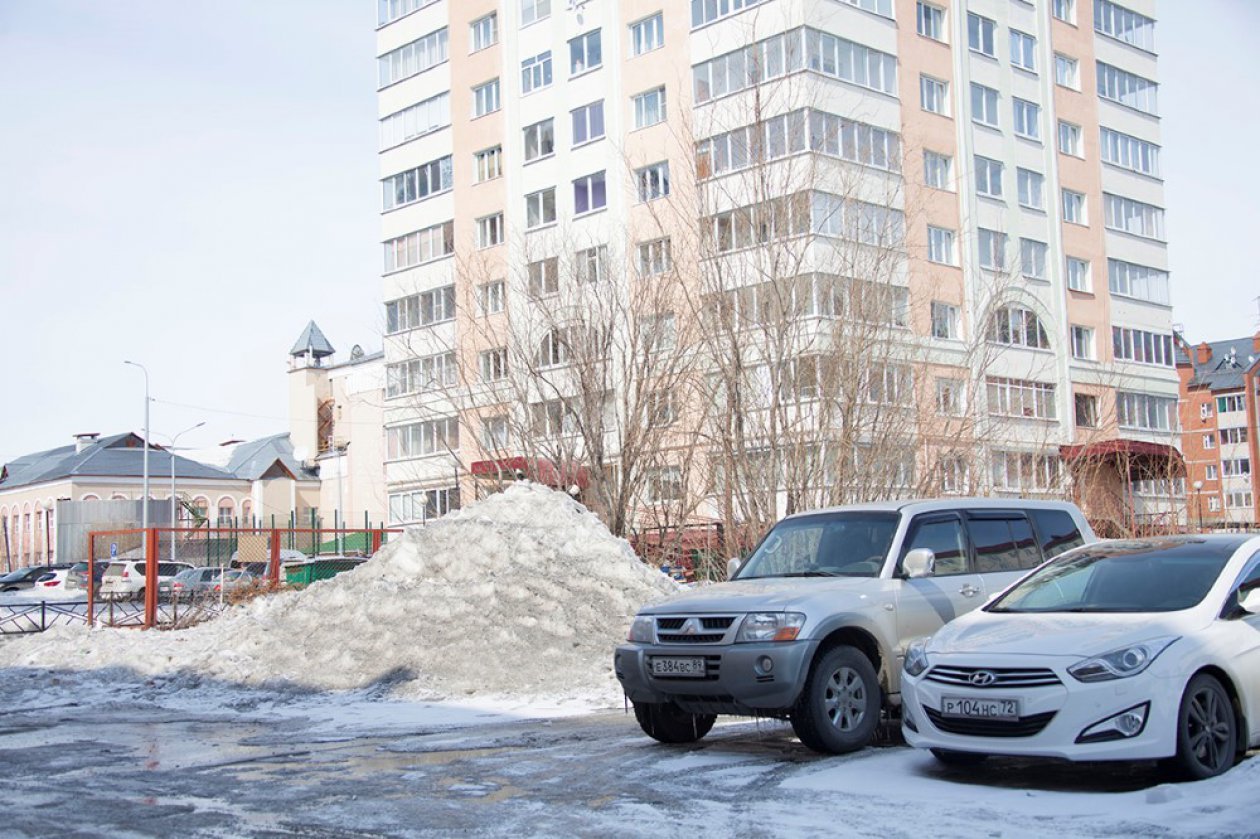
point(524, 593)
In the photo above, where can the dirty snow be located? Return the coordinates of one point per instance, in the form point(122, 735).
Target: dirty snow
point(522, 594)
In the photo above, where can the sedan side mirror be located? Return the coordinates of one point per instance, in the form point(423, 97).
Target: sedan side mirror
point(732, 567)
point(1250, 602)
point(920, 562)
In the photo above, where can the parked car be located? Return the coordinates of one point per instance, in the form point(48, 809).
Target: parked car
point(125, 578)
point(197, 581)
point(813, 625)
point(24, 578)
point(77, 578)
point(1123, 650)
point(54, 580)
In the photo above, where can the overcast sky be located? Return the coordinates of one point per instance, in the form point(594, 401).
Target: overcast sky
point(187, 184)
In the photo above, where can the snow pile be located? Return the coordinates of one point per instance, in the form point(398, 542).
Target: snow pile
point(524, 593)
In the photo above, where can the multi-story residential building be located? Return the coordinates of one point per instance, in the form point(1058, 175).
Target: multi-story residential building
point(921, 241)
point(1220, 420)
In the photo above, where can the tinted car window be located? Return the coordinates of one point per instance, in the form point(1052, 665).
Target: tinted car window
point(1027, 554)
point(943, 537)
point(1058, 532)
point(997, 548)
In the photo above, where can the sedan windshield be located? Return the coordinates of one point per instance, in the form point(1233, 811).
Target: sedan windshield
point(1119, 577)
point(824, 545)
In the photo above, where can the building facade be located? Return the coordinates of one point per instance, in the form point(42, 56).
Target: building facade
point(979, 179)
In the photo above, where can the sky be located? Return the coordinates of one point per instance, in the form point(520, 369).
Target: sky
point(185, 185)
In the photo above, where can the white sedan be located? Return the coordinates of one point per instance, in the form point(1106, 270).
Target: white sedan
point(1121, 650)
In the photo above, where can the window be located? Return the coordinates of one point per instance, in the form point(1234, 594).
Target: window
point(707, 11)
point(1070, 139)
point(540, 140)
point(489, 164)
point(652, 181)
point(585, 53)
point(1024, 471)
point(491, 297)
point(941, 246)
point(484, 32)
point(1064, 10)
point(1238, 498)
point(1086, 409)
point(416, 121)
point(1205, 410)
point(851, 62)
point(879, 7)
point(1003, 544)
point(1134, 217)
point(1027, 118)
point(980, 34)
point(657, 332)
point(420, 247)
point(1018, 327)
point(494, 433)
point(490, 231)
point(992, 249)
point(661, 408)
point(849, 218)
point(931, 21)
point(988, 177)
point(1078, 274)
point(984, 105)
point(1210, 472)
point(1032, 188)
point(1233, 436)
point(590, 265)
point(1137, 281)
point(438, 436)
point(944, 320)
point(486, 98)
point(934, 95)
point(666, 484)
point(649, 107)
point(544, 277)
point(1209, 441)
point(534, 10)
point(1236, 467)
point(419, 310)
point(1142, 347)
point(1124, 25)
point(493, 364)
point(421, 374)
point(588, 122)
point(1023, 51)
point(1128, 89)
point(553, 350)
point(413, 58)
point(1032, 258)
point(889, 384)
point(729, 73)
point(943, 536)
point(536, 72)
point(648, 34)
point(1074, 207)
point(936, 170)
point(589, 194)
point(1022, 399)
point(1146, 411)
point(949, 397)
point(1130, 153)
point(1083, 343)
point(422, 505)
point(416, 184)
point(1214, 504)
point(654, 257)
point(390, 10)
point(828, 133)
point(1229, 404)
point(1067, 71)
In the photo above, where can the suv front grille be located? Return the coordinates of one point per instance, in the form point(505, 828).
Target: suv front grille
point(693, 629)
point(1003, 677)
point(1022, 727)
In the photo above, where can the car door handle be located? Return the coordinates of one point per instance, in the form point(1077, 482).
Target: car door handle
point(968, 591)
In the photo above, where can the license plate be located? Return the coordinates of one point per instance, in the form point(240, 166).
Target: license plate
point(980, 709)
point(685, 667)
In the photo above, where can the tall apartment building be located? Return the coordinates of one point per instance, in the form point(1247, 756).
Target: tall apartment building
point(984, 173)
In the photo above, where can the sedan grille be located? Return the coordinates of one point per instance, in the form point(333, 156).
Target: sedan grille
point(997, 677)
point(693, 629)
point(1022, 727)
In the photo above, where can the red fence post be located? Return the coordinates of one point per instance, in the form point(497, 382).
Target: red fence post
point(91, 578)
point(376, 541)
point(150, 577)
point(273, 569)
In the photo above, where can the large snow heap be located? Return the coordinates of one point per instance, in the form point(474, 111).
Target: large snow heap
point(524, 593)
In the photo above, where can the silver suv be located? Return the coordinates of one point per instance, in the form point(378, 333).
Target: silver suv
point(812, 627)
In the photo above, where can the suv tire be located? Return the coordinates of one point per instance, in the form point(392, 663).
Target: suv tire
point(840, 705)
point(666, 722)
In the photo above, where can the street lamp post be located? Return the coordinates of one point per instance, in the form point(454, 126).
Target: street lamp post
point(1198, 496)
point(174, 440)
point(144, 504)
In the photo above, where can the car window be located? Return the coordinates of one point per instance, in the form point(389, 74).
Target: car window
point(943, 537)
point(1058, 530)
point(1002, 544)
point(826, 545)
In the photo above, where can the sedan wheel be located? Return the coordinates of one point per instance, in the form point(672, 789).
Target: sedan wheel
point(1207, 734)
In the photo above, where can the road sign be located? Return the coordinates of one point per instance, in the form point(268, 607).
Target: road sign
point(113, 550)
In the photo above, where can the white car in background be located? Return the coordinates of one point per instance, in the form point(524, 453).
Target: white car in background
point(1121, 650)
point(125, 579)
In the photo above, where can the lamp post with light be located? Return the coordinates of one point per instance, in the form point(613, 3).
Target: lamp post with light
point(1198, 497)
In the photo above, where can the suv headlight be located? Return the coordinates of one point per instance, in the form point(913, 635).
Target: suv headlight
point(770, 626)
point(1121, 663)
point(641, 629)
point(916, 660)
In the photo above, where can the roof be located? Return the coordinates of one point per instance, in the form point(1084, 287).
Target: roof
point(117, 456)
point(267, 457)
point(312, 341)
point(1224, 370)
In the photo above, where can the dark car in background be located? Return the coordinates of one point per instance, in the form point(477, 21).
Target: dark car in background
point(24, 578)
point(77, 578)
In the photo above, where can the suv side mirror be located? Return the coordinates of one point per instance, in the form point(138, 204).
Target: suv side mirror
point(920, 562)
point(1250, 602)
point(732, 567)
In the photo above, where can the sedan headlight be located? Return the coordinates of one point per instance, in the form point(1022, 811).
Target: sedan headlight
point(770, 626)
point(1121, 663)
point(916, 660)
point(641, 629)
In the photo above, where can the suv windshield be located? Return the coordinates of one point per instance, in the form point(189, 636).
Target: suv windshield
point(824, 545)
point(1123, 577)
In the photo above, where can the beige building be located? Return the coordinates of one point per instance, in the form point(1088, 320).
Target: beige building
point(989, 167)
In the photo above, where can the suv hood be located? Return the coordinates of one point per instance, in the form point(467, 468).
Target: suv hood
point(1058, 634)
point(769, 594)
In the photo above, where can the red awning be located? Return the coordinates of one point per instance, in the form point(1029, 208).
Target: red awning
point(1104, 449)
point(535, 469)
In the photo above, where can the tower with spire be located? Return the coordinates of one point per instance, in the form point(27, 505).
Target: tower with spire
point(310, 349)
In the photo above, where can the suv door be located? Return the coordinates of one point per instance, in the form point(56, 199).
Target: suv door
point(926, 604)
point(1004, 546)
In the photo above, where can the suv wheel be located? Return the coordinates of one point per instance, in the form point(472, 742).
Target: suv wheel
point(840, 704)
point(668, 723)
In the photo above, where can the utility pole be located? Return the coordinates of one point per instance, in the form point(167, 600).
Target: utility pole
point(144, 502)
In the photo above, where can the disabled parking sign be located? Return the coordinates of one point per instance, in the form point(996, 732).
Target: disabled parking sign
point(113, 550)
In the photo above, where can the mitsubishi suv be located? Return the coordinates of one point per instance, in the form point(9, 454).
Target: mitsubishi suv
point(813, 626)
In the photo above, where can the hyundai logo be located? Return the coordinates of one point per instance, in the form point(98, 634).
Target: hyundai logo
point(982, 678)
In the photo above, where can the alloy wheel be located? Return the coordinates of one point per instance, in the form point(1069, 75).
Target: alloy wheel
point(845, 699)
point(1209, 729)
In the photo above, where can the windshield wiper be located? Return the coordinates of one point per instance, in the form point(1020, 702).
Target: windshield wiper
point(815, 573)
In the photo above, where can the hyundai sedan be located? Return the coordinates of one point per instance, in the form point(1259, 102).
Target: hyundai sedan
point(1121, 650)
